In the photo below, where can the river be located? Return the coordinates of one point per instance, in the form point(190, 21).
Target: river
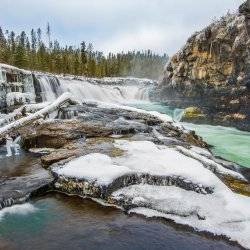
point(229, 143)
point(57, 221)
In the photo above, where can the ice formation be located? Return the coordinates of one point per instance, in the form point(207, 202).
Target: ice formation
point(19, 98)
point(66, 97)
point(221, 211)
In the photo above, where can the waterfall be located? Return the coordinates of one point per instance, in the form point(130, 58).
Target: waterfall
point(106, 93)
point(49, 86)
point(94, 89)
point(177, 114)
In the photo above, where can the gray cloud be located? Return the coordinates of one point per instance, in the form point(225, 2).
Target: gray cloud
point(116, 25)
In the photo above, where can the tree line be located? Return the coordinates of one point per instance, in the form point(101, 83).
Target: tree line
point(33, 52)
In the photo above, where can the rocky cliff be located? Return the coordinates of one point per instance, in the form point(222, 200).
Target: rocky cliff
point(212, 71)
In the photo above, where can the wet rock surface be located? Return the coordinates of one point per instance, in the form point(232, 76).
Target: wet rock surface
point(94, 121)
point(22, 176)
point(212, 72)
point(16, 190)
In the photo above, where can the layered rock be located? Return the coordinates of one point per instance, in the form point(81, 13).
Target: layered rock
point(170, 181)
point(212, 71)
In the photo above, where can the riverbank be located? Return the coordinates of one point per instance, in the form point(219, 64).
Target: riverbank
point(226, 142)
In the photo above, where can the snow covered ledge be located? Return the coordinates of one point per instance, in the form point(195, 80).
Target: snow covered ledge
point(61, 100)
point(154, 180)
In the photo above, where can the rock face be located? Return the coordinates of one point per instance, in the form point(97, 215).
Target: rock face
point(212, 71)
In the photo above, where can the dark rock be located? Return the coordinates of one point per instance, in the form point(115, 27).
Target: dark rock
point(17, 190)
point(93, 121)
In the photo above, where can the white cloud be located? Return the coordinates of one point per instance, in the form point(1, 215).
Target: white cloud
point(115, 25)
point(158, 39)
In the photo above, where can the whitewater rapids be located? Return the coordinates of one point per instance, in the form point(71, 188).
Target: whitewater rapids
point(110, 90)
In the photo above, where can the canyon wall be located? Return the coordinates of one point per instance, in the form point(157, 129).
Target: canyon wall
point(212, 71)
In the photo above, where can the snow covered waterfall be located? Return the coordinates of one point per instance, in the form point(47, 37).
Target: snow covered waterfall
point(115, 90)
point(50, 87)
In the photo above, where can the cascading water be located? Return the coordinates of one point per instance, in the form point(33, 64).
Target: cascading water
point(177, 114)
point(107, 93)
point(51, 87)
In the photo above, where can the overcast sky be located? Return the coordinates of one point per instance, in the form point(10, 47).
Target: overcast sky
point(116, 25)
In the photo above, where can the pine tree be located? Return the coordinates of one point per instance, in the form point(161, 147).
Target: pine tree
point(48, 32)
point(3, 47)
point(33, 56)
point(32, 53)
point(39, 37)
point(84, 59)
point(20, 56)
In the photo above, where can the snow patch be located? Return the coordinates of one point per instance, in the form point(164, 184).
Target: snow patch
point(221, 213)
point(141, 157)
point(19, 97)
point(94, 168)
point(146, 157)
point(209, 163)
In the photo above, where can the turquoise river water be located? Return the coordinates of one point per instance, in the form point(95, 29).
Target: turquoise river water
point(230, 143)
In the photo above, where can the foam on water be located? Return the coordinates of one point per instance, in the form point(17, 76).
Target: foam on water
point(85, 90)
point(22, 209)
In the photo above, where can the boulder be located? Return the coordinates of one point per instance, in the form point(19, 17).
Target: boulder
point(192, 112)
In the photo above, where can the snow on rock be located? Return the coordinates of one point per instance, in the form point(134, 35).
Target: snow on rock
point(94, 167)
point(215, 167)
point(162, 117)
point(201, 151)
point(147, 157)
point(221, 213)
point(19, 97)
point(7, 66)
point(140, 158)
point(66, 97)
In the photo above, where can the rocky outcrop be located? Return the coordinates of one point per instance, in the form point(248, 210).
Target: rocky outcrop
point(212, 71)
point(17, 190)
point(95, 121)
